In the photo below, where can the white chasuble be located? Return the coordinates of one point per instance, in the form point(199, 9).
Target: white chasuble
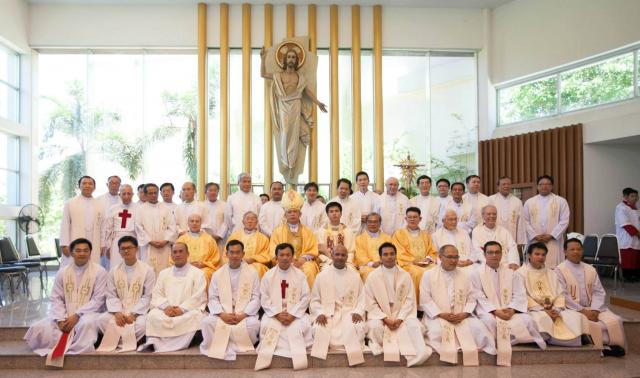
point(177, 286)
point(233, 303)
point(429, 210)
point(544, 290)
point(284, 290)
point(390, 294)
point(337, 294)
point(82, 217)
point(510, 215)
point(548, 215)
point(155, 222)
point(129, 290)
point(77, 292)
point(583, 289)
point(452, 292)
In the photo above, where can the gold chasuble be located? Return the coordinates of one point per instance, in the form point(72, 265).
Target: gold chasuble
point(256, 246)
point(415, 247)
point(203, 249)
point(367, 251)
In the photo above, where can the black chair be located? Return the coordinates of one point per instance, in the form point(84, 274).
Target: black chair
point(58, 248)
point(590, 246)
point(10, 272)
point(608, 256)
point(34, 255)
point(10, 256)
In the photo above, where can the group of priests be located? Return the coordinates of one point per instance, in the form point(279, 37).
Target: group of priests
point(351, 275)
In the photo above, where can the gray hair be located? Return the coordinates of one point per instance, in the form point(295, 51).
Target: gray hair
point(243, 175)
point(485, 207)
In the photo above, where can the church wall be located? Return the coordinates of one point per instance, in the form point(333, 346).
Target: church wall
point(532, 36)
point(55, 25)
point(608, 169)
point(14, 23)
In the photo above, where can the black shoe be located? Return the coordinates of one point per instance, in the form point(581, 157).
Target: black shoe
point(146, 348)
point(615, 351)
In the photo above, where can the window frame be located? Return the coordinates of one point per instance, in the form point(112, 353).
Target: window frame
point(558, 71)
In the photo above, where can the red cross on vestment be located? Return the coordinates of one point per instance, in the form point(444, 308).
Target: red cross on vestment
point(124, 215)
point(283, 287)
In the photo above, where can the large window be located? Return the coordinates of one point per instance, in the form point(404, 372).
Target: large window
point(9, 84)
point(441, 128)
point(9, 169)
point(131, 114)
point(598, 81)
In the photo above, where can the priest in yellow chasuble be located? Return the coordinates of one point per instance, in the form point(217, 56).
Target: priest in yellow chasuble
point(301, 237)
point(203, 249)
point(367, 258)
point(416, 251)
point(256, 244)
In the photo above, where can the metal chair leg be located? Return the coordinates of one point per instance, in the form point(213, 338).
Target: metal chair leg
point(11, 288)
point(615, 278)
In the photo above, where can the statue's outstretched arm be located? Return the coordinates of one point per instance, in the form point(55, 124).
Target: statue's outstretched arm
point(263, 68)
point(313, 99)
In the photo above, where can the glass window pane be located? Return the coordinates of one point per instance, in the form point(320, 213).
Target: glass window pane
point(323, 132)
point(8, 187)
point(213, 128)
point(405, 85)
point(257, 121)
point(345, 93)
point(9, 66)
point(9, 228)
point(366, 69)
point(454, 120)
point(527, 101)
point(236, 146)
point(638, 72)
point(9, 152)
point(607, 81)
point(9, 102)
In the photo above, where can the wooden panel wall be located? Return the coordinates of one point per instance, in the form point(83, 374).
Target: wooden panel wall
point(556, 152)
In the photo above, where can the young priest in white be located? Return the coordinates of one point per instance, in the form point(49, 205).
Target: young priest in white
point(557, 324)
point(337, 307)
point(76, 301)
point(502, 303)
point(129, 288)
point(584, 293)
point(178, 302)
point(285, 329)
point(448, 300)
point(234, 302)
point(391, 311)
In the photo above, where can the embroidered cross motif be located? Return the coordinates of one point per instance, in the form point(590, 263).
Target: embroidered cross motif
point(124, 215)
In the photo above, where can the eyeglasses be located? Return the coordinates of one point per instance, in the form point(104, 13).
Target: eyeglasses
point(451, 257)
point(125, 249)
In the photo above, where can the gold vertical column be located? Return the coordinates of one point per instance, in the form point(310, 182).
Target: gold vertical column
point(313, 144)
point(377, 97)
point(246, 87)
point(333, 110)
point(268, 138)
point(202, 99)
point(356, 88)
point(224, 100)
point(291, 20)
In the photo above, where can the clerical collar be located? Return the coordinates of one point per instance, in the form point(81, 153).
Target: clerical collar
point(447, 272)
point(181, 268)
point(293, 227)
point(489, 228)
point(235, 269)
point(81, 268)
point(373, 234)
point(413, 232)
point(130, 268)
point(284, 270)
point(249, 232)
point(385, 269)
point(344, 268)
point(494, 269)
point(572, 263)
point(335, 227)
point(194, 234)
